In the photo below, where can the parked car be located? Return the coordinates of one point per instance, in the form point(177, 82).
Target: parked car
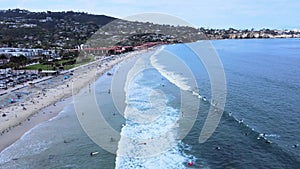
point(11, 84)
point(34, 76)
point(3, 86)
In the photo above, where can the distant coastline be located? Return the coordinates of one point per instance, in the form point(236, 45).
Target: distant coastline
point(251, 34)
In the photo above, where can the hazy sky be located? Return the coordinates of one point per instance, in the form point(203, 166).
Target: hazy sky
point(209, 14)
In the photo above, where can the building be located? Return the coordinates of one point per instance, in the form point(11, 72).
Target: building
point(29, 53)
point(44, 73)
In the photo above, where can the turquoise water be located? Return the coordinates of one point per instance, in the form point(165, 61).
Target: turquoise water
point(258, 129)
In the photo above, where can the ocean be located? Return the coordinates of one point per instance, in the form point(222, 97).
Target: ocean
point(208, 104)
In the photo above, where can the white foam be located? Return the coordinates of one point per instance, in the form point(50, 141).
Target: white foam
point(23, 147)
point(30, 143)
point(272, 135)
point(175, 78)
point(169, 159)
point(149, 138)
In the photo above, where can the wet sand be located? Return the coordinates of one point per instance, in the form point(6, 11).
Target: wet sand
point(14, 133)
point(41, 106)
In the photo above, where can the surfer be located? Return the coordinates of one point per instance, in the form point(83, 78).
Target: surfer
point(268, 142)
point(261, 136)
point(190, 163)
point(94, 153)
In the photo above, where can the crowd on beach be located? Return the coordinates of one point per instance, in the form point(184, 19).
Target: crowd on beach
point(19, 105)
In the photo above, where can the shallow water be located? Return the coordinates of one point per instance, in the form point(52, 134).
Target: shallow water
point(263, 94)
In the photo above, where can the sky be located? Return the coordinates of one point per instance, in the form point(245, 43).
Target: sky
point(239, 14)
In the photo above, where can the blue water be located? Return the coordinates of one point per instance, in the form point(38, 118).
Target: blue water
point(258, 128)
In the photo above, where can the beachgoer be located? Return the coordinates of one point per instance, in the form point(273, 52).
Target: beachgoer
point(190, 163)
point(268, 142)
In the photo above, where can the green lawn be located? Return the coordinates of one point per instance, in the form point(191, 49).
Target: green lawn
point(66, 67)
point(37, 66)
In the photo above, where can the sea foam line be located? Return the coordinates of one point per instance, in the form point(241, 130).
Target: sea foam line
point(152, 144)
point(173, 77)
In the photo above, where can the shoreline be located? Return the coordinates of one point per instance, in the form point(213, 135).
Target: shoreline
point(52, 102)
point(43, 115)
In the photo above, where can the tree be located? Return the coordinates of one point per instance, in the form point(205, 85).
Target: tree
point(18, 61)
point(3, 56)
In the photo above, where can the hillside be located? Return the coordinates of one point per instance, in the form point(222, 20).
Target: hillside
point(22, 28)
point(68, 30)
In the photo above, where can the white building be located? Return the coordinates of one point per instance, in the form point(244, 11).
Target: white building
point(22, 51)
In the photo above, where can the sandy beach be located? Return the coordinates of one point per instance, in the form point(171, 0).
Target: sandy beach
point(42, 105)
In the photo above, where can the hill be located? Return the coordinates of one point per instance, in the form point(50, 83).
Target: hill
point(68, 30)
point(22, 28)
